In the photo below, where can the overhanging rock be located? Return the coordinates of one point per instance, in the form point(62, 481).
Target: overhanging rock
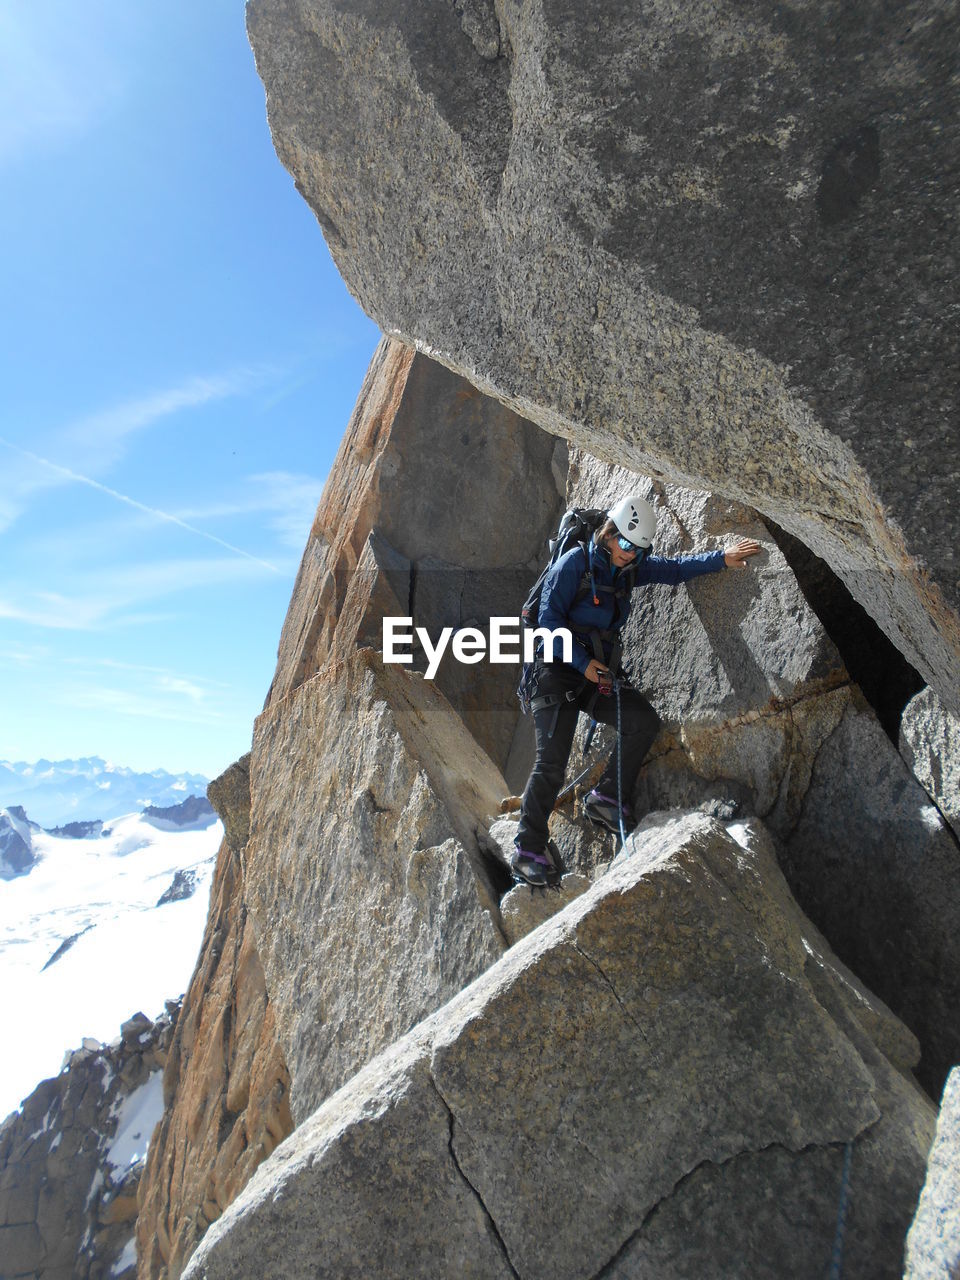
point(712, 244)
point(668, 1071)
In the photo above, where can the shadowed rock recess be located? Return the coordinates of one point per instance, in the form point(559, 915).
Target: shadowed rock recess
point(712, 243)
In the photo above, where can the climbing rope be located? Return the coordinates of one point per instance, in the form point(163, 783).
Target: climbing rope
point(623, 833)
point(836, 1257)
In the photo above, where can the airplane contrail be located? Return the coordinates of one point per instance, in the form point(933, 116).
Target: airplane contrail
point(139, 506)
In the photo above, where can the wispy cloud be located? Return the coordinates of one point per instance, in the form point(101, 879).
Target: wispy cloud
point(130, 702)
point(75, 476)
point(95, 442)
point(141, 669)
point(75, 615)
point(187, 688)
point(288, 500)
point(101, 432)
point(56, 77)
point(108, 598)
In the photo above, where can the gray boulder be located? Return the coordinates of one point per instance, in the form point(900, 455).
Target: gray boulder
point(933, 1245)
point(930, 744)
point(712, 246)
point(666, 1074)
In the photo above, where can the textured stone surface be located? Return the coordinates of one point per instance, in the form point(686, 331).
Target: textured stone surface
point(524, 908)
point(933, 1245)
point(66, 1212)
point(714, 244)
point(230, 796)
point(226, 1085)
point(930, 744)
point(437, 507)
point(871, 859)
point(371, 899)
point(615, 1087)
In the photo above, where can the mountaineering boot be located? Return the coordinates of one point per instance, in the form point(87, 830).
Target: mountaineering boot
point(605, 812)
point(535, 869)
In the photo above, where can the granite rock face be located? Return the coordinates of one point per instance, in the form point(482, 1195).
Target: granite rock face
point(713, 245)
point(871, 858)
point(933, 1245)
point(930, 744)
point(670, 1069)
point(230, 797)
point(371, 899)
point(226, 1085)
point(71, 1159)
point(437, 508)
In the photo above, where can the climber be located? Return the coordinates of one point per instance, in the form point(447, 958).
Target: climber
point(588, 590)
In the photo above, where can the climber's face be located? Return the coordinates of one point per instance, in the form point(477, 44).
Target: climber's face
point(619, 557)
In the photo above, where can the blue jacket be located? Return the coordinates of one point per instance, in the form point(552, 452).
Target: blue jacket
point(560, 587)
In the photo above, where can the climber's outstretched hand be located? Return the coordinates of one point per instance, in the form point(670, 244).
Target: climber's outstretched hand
point(738, 555)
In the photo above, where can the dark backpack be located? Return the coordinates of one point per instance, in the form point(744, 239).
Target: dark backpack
point(577, 528)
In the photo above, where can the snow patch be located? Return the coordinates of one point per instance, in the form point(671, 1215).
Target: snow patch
point(95, 1187)
point(136, 957)
point(127, 1259)
point(137, 1116)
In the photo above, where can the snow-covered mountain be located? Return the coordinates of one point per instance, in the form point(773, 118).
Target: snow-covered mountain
point(16, 853)
point(56, 792)
point(94, 928)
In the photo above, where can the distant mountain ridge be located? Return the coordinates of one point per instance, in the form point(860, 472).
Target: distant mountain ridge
point(59, 792)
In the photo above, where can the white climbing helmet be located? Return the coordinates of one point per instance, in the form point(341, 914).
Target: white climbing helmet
point(636, 520)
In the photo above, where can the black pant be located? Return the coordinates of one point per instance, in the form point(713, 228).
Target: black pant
point(639, 726)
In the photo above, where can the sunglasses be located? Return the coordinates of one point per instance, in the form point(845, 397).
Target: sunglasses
point(626, 545)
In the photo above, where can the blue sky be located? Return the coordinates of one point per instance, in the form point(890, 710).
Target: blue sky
point(178, 361)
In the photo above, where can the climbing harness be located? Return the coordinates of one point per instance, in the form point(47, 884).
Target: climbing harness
point(836, 1256)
